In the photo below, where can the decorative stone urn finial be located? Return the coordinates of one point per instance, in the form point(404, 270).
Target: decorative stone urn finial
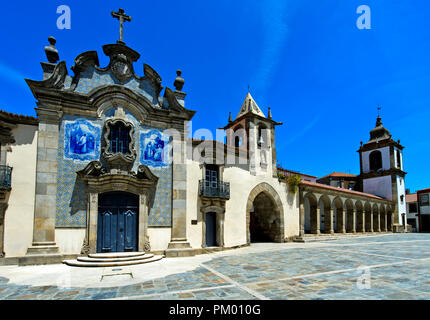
point(52, 52)
point(179, 81)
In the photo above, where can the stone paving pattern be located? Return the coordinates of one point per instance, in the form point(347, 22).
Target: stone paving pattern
point(399, 267)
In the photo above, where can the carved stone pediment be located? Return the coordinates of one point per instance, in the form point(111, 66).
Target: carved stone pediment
point(144, 173)
point(94, 169)
point(100, 180)
point(55, 81)
point(121, 61)
point(121, 68)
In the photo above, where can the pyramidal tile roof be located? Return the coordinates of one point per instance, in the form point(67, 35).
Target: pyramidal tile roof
point(249, 105)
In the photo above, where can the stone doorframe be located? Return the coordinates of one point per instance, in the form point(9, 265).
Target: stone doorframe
point(220, 214)
point(3, 207)
point(143, 183)
point(273, 195)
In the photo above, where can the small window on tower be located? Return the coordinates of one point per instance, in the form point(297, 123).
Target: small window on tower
point(238, 136)
point(398, 162)
point(375, 160)
point(238, 142)
point(262, 136)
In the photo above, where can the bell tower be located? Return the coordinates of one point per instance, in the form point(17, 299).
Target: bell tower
point(253, 132)
point(381, 169)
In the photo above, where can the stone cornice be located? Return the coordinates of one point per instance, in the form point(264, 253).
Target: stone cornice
point(383, 173)
point(380, 144)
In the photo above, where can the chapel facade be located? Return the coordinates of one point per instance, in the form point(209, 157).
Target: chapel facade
point(107, 166)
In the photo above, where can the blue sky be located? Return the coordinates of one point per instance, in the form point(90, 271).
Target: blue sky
point(307, 60)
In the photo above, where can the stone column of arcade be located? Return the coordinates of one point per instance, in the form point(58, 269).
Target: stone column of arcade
point(343, 222)
point(179, 246)
point(354, 220)
point(385, 224)
point(378, 222)
point(302, 219)
point(331, 221)
point(44, 249)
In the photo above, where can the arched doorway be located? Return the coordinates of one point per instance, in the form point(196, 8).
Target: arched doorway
point(376, 219)
point(117, 227)
point(350, 223)
point(265, 220)
point(325, 215)
point(390, 220)
point(360, 219)
point(311, 214)
point(368, 220)
point(339, 216)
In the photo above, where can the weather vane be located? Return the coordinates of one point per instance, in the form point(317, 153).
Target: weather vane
point(379, 109)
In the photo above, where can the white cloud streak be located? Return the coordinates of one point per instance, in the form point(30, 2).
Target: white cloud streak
point(10, 75)
point(274, 13)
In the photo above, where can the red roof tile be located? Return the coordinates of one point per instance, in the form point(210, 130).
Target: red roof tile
point(339, 174)
point(324, 186)
point(18, 117)
point(413, 197)
point(295, 172)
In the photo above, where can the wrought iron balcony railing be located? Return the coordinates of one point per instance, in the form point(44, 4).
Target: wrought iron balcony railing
point(5, 177)
point(214, 189)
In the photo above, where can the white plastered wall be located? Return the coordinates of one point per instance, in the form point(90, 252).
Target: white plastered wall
point(19, 215)
point(380, 186)
point(70, 240)
point(241, 185)
point(159, 238)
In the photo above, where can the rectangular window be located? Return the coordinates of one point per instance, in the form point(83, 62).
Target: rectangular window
point(424, 199)
point(413, 208)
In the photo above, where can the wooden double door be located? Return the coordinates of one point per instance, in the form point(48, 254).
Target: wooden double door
point(117, 225)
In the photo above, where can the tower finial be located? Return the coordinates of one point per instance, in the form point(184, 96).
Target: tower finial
point(269, 114)
point(229, 118)
point(379, 120)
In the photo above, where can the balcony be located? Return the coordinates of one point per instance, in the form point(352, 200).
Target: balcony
point(212, 189)
point(5, 177)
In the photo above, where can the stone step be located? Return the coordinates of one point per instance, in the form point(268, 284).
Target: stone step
point(102, 259)
point(40, 259)
point(341, 236)
point(109, 255)
point(76, 263)
point(41, 249)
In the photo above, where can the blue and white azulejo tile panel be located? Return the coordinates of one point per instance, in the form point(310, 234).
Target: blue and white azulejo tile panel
point(81, 140)
point(154, 148)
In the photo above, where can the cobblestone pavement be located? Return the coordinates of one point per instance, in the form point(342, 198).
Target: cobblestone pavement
point(372, 267)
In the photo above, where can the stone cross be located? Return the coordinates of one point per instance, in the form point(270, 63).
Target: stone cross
point(122, 17)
